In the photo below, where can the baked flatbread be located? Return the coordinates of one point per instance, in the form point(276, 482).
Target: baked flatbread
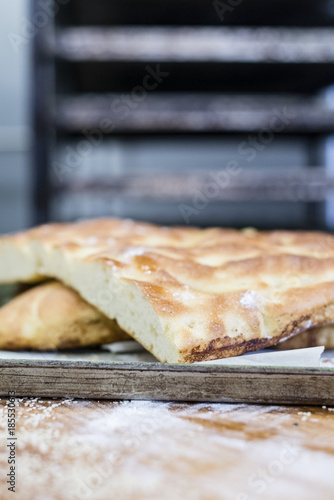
point(52, 316)
point(186, 294)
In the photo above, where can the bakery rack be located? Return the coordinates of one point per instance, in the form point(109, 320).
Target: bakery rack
point(228, 66)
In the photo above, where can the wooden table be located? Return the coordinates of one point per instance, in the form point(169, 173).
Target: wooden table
point(76, 449)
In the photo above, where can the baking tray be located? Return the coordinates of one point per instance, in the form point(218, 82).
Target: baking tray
point(99, 374)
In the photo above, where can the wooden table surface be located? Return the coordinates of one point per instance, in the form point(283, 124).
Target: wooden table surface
point(75, 449)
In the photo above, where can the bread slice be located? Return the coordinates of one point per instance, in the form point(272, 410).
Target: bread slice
point(186, 294)
point(52, 316)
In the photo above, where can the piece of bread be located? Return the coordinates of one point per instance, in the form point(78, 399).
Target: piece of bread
point(186, 294)
point(53, 316)
point(323, 335)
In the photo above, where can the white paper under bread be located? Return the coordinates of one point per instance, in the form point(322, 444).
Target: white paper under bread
point(305, 358)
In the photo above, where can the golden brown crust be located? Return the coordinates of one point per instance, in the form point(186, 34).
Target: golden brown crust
point(214, 292)
point(52, 316)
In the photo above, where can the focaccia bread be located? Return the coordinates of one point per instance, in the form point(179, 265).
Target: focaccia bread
point(186, 294)
point(324, 335)
point(52, 316)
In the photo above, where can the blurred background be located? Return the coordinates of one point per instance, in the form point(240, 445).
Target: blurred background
point(182, 112)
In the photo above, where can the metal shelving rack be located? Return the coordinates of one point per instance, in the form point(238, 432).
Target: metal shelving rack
point(228, 71)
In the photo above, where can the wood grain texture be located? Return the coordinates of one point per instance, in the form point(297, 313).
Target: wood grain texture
point(167, 382)
point(140, 450)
